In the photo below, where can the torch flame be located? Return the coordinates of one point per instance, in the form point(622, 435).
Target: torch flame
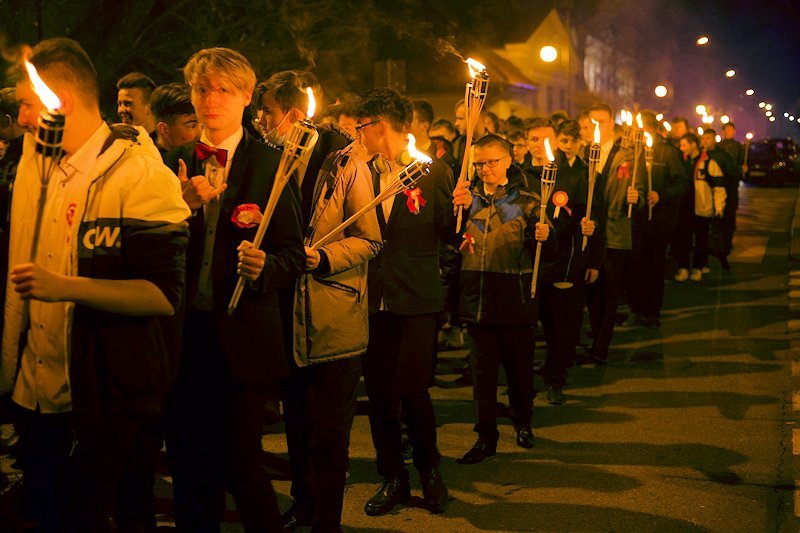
point(596, 132)
point(639, 120)
point(648, 139)
point(667, 126)
point(475, 67)
point(414, 153)
point(623, 114)
point(312, 103)
point(47, 96)
point(548, 151)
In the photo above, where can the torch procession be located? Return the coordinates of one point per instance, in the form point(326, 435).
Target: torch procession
point(406, 180)
point(300, 142)
point(648, 159)
point(548, 182)
point(474, 100)
point(594, 162)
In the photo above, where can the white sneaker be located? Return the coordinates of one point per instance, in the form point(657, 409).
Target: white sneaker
point(682, 275)
point(696, 275)
point(705, 270)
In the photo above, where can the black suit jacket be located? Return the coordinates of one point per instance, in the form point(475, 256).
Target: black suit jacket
point(406, 271)
point(252, 338)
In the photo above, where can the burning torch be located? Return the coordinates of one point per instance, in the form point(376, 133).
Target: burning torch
point(648, 159)
point(548, 182)
point(48, 143)
point(594, 162)
point(637, 153)
point(474, 99)
point(406, 180)
point(299, 144)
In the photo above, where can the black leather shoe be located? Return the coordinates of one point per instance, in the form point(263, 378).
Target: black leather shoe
point(296, 517)
point(555, 396)
point(524, 437)
point(434, 490)
point(479, 451)
point(392, 491)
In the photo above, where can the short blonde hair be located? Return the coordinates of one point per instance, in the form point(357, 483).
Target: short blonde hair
point(225, 63)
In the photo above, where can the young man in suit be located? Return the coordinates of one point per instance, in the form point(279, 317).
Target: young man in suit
point(228, 364)
point(405, 295)
point(615, 180)
point(176, 121)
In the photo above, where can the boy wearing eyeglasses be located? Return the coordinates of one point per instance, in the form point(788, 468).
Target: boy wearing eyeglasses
point(497, 248)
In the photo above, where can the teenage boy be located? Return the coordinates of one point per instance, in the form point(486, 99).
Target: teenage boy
point(501, 214)
point(84, 354)
point(229, 364)
point(176, 121)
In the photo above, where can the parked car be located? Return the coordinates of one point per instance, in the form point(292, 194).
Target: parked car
point(772, 160)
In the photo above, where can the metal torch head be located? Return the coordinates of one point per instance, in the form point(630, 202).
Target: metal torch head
point(594, 153)
point(50, 133)
point(299, 139)
point(414, 172)
point(480, 86)
point(638, 138)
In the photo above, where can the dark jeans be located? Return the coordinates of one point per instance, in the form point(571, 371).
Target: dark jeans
point(109, 472)
point(397, 373)
point(560, 318)
point(213, 435)
point(319, 404)
point(684, 233)
point(602, 298)
point(648, 258)
point(513, 347)
point(702, 225)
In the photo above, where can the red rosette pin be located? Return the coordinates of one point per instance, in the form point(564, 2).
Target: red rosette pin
point(246, 216)
point(415, 201)
point(467, 243)
point(624, 171)
point(560, 199)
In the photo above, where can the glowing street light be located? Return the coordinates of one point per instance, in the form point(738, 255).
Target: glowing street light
point(661, 91)
point(702, 41)
point(786, 115)
point(700, 109)
point(731, 73)
point(768, 113)
point(748, 136)
point(724, 119)
point(548, 54)
point(791, 117)
point(749, 92)
point(762, 105)
point(708, 119)
point(768, 107)
point(772, 119)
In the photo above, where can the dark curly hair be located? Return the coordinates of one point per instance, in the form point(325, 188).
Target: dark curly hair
point(388, 105)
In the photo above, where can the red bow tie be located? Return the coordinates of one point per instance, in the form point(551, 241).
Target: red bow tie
point(205, 151)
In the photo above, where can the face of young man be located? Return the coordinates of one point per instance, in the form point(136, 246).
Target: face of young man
point(485, 157)
point(728, 132)
point(272, 115)
point(132, 107)
point(370, 133)
point(29, 107)
point(678, 130)
point(587, 130)
point(444, 133)
point(536, 137)
point(461, 120)
point(419, 129)
point(708, 141)
point(686, 147)
point(605, 122)
point(519, 148)
point(183, 130)
point(569, 145)
point(219, 106)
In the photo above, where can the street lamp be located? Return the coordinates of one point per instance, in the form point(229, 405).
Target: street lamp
point(548, 54)
point(702, 41)
point(700, 109)
point(772, 119)
point(731, 73)
point(786, 115)
point(768, 113)
point(724, 119)
point(748, 136)
point(749, 92)
point(762, 105)
point(791, 117)
point(768, 107)
point(661, 91)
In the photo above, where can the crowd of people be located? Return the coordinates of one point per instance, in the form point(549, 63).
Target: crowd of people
point(117, 334)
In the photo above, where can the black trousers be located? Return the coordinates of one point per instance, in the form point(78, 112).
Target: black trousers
point(109, 470)
point(560, 315)
point(648, 259)
point(513, 347)
point(702, 225)
point(602, 298)
point(398, 368)
point(213, 436)
point(319, 403)
point(684, 233)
